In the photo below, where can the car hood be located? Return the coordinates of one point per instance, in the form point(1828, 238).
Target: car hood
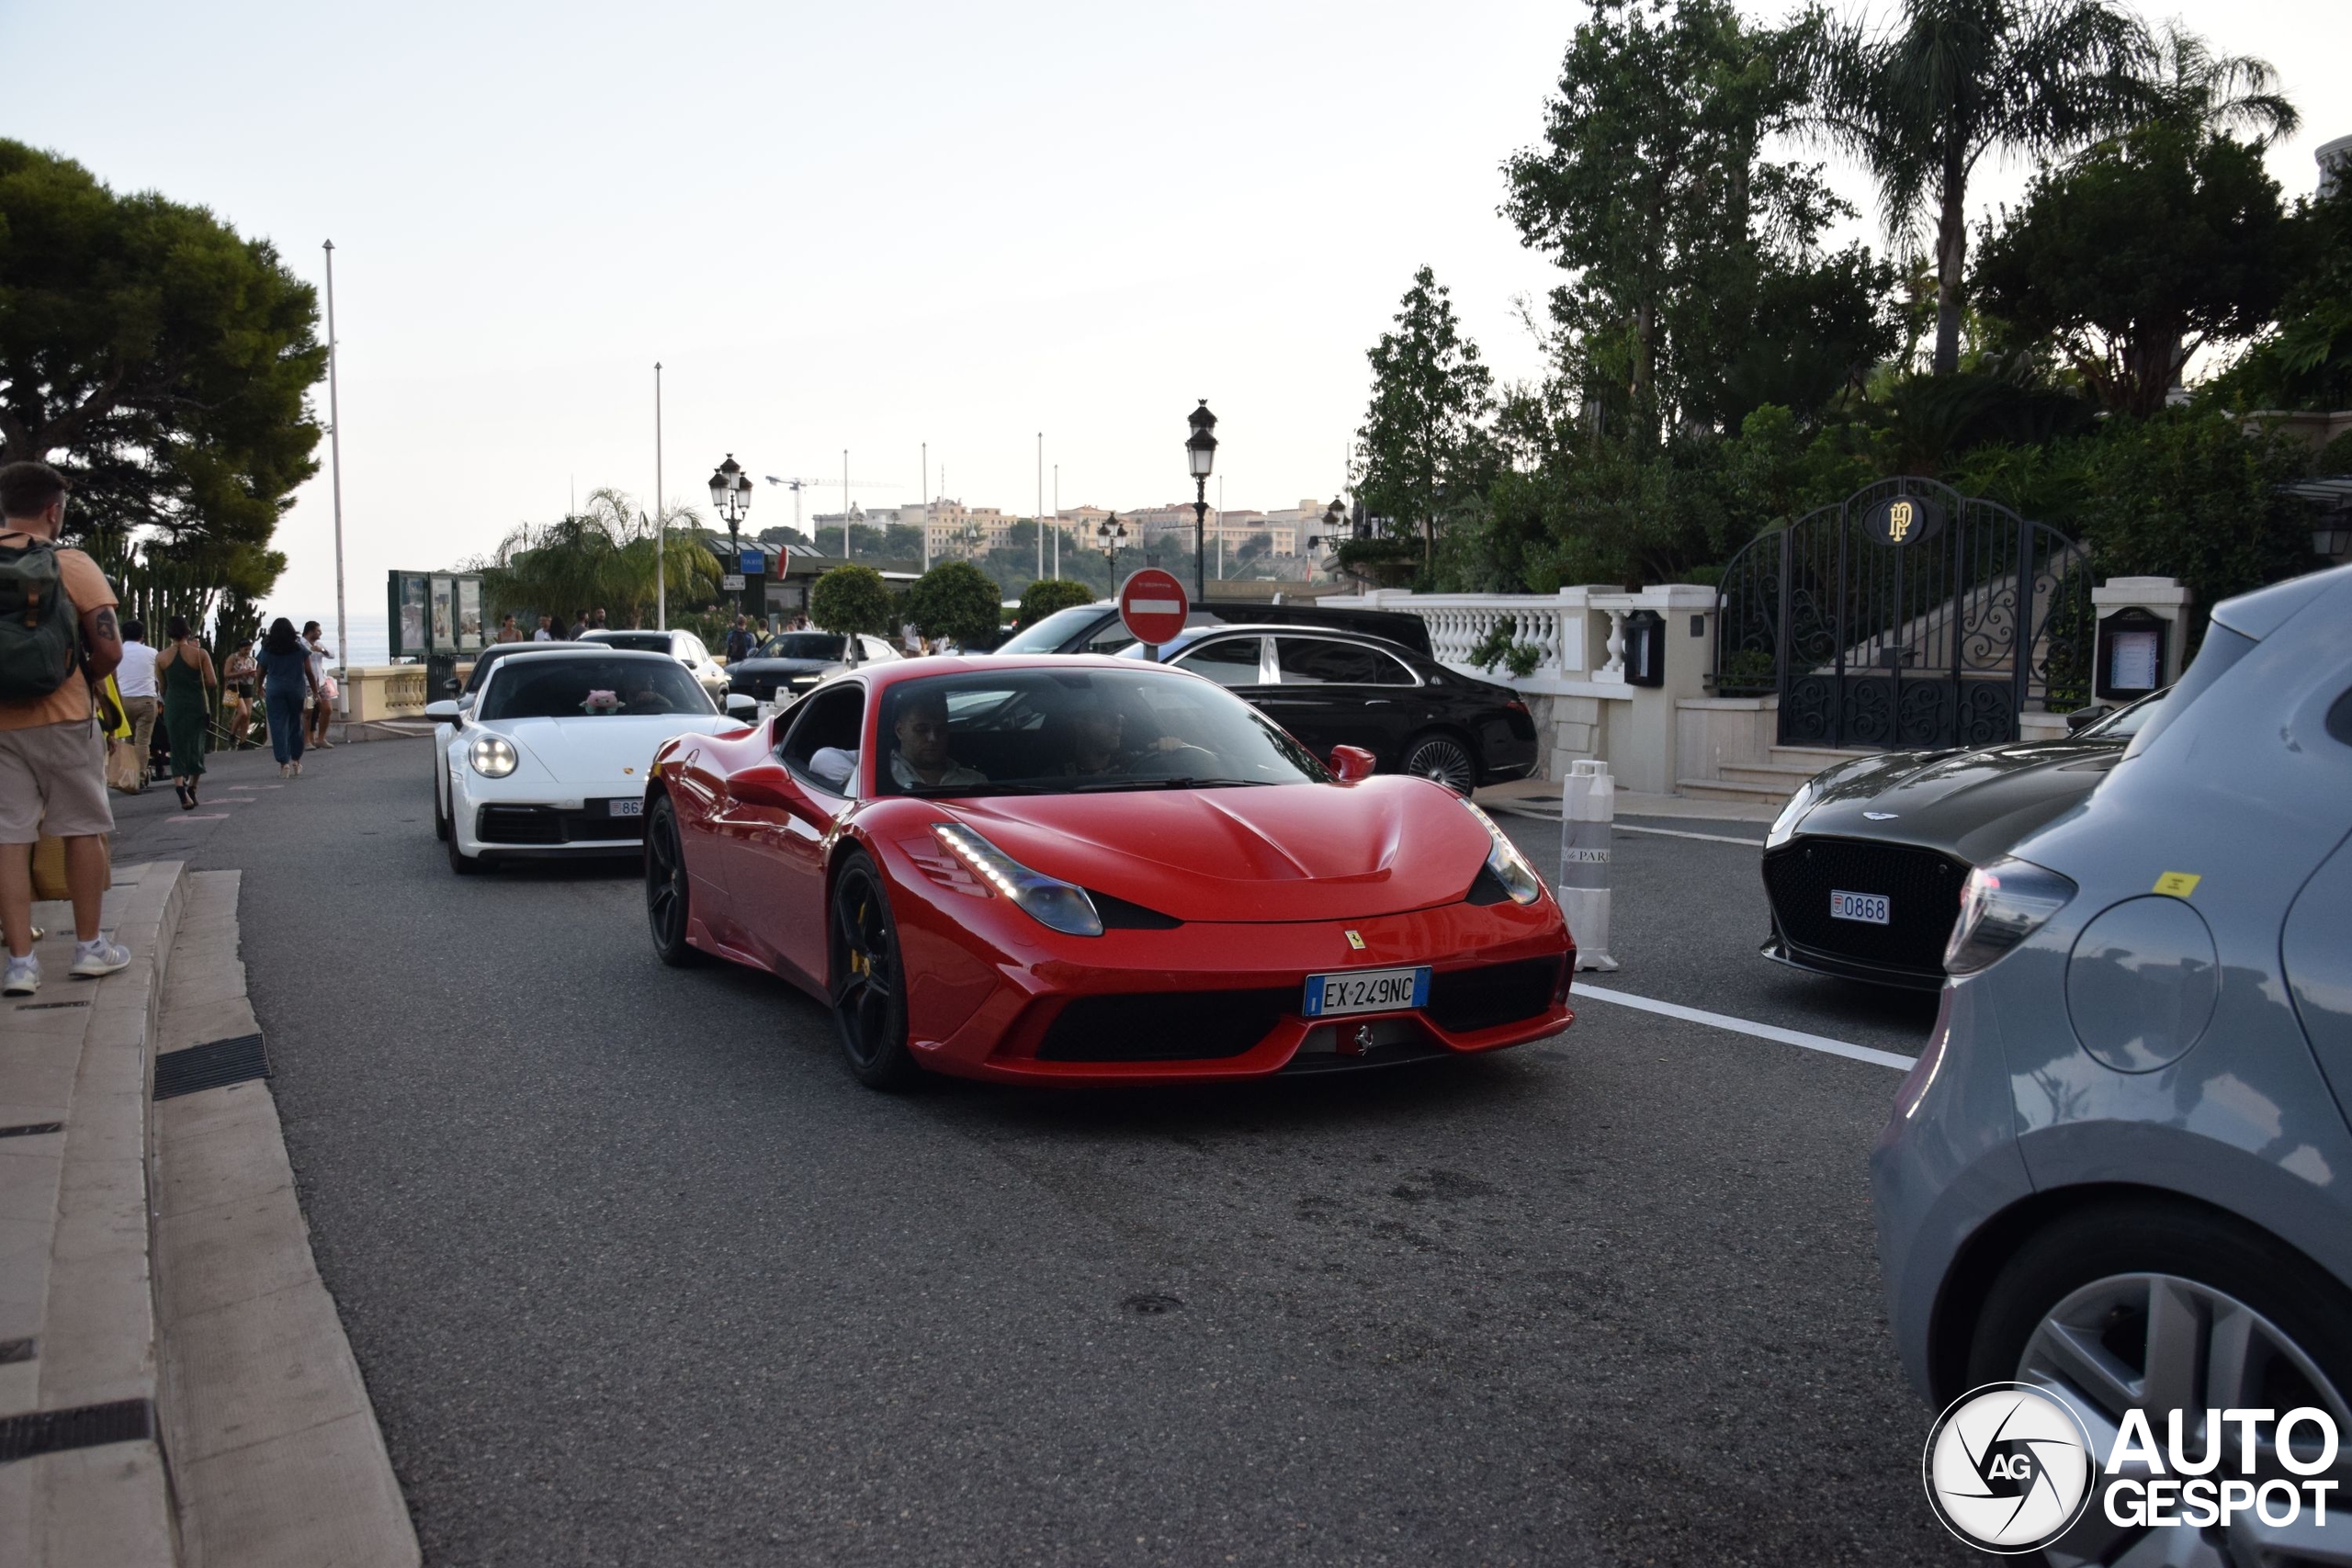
point(1267, 852)
point(1973, 804)
point(614, 746)
point(784, 666)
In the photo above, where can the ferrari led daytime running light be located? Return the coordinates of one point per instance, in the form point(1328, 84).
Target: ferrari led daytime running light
point(493, 756)
point(1510, 868)
point(1050, 901)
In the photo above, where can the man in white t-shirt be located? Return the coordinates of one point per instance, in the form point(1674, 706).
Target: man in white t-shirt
point(135, 676)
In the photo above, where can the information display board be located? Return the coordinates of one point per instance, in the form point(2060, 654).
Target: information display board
point(430, 612)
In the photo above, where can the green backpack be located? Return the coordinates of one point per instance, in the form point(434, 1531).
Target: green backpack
point(39, 626)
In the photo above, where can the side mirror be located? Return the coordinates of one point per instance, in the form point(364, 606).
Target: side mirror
point(737, 702)
point(764, 783)
point(2083, 718)
point(444, 711)
point(1352, 763)
point(452, 686)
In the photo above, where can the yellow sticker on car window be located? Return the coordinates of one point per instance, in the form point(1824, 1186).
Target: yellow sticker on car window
point(2177, 883)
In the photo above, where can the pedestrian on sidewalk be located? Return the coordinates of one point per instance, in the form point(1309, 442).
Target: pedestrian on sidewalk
point(740, 641)
point(240, 673)
point(579, 629)
point(135, 679)
point(508, 631)
point(286, 680)
point(189, 686)
point(543, 634)
point(321, 683)
point(58, 636)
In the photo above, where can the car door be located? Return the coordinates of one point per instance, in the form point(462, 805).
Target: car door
point(1331, 692)
point(779, 811)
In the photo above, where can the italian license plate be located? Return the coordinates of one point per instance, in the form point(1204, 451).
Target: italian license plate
point(1870, 909)
point(1366, 990)
point(633, 805)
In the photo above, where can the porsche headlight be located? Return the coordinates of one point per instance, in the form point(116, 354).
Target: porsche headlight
point(1519, 879)
point(493, 756)
point(1063, 905)
point(1785, 824)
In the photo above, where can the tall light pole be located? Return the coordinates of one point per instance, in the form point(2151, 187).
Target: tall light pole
point(847, 545)
point(730, 498)
point(334, 458)
point(1057, 520)
point(926, 506)
point(661, 517)
point(1199, 456)
point(1041, 504)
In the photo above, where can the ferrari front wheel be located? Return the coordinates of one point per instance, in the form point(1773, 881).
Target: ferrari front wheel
point(666, 905)
point(869, 979)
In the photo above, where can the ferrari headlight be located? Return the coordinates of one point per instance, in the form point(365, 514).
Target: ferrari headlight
point(1063, 905)
point(2002, 904)
point(1519, 879)
point(1791, 814)
point(493, 756)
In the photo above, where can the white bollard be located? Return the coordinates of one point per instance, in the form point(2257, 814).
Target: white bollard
point(1587, 805)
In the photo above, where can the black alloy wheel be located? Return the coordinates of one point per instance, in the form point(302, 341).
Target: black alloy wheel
point(1444, 759)
point(667, 900)
point(869, 979)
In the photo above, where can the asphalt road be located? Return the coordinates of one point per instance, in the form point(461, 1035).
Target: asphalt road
point(638, 1275)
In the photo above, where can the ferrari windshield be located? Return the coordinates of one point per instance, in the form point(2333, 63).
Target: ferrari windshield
point(1077, 731)
point(590, 687)
point(801, 645)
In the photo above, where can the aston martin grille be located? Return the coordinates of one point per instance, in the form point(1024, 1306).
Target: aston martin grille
point(1922, 887)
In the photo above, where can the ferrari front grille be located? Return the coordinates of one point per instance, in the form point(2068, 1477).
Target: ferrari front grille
point(1463, 1002)
point(1921, 887)
point(1165, 1026)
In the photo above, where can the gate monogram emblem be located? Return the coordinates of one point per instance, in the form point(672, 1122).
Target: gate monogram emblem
point(1898, 521)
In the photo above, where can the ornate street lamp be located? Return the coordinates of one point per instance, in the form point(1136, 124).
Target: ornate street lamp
point(1107, 534)
point(730, 498)
point(1200, 454)
point(1334, 518)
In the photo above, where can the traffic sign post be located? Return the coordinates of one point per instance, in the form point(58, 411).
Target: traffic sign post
point(1153, 607)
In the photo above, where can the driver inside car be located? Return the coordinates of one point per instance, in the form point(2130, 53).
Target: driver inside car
point(922, 757)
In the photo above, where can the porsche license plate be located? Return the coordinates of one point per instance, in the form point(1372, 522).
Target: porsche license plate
point(1366, 990)
point(1870, 909)
point(632, 806)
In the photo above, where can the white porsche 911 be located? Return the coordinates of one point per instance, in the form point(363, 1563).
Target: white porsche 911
point(549, 758)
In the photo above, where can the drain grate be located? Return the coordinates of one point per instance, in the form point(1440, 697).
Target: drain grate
point(86, 1426)
point(43, 1006)
point(14, 1351)
point(210, 1066)
point(27, 1129)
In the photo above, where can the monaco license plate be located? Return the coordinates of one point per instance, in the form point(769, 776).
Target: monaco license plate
point(632, 806)
point(1870, 909)
point(1366, 990)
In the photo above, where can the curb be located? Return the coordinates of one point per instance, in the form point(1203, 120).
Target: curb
point(83, 1481)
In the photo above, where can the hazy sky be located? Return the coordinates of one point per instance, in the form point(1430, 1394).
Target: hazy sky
point(864, 226)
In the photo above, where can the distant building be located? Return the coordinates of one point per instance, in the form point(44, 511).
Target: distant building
point(2335, 167)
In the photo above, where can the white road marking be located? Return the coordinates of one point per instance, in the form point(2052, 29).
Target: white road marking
point(1741, 1026)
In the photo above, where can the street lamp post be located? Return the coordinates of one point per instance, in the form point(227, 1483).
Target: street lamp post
point(1107, 534)
point(1335, 516)
point(730, 498)
point(1200, 454)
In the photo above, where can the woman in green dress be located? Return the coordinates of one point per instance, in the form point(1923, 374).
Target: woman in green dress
point(186, 671)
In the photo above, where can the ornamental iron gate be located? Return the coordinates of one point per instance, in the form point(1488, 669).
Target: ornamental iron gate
point(1907, 616)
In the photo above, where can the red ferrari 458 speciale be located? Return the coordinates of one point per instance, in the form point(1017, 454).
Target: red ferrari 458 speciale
point(1090, 871)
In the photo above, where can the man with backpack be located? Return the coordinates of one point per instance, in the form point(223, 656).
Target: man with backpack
point(58, 637)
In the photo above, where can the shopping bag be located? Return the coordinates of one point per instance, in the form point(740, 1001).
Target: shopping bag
point(126, 769)
point(49, 867)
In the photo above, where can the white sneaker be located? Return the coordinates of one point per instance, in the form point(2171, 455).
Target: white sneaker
point(92, 959)
point(24, 976)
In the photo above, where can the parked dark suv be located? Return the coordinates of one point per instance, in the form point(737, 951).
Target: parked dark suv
point(1334, 688)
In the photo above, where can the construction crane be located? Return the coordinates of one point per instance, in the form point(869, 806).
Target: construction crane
point(797, 485)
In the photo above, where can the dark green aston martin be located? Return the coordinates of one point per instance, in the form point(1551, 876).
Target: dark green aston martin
point(1864, 864)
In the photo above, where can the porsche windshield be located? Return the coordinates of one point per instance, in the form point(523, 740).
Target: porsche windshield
point(591, 688)
point(1077, 731)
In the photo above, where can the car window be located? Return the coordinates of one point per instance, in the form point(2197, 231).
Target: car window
point(1074, 731)
point(636, 642)
point(593, 688)
point(874, 647)
point(1113, 636)
point(2124, 723)
point(801, 645)
point(1319, 662)
point(821, 747)
point(1227, 660)
point(2222, 650)
point(690, 647)
point(1049, 635)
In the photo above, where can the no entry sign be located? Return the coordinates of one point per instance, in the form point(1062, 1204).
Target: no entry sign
point(1152, 604)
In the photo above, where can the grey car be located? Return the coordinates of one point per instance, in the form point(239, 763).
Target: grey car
point(2121, 1168)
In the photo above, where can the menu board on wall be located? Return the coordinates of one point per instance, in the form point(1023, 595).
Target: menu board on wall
point(408, 615)
point(468, 614)
point(445, 614)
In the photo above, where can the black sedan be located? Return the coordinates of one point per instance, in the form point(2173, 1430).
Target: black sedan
point(1334, 688)
point(785, 666)
point(1096, 627)
point(1865, 863)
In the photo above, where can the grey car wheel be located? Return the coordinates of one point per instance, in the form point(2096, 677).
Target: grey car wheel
point(2122, 1309)
point(1444, 759)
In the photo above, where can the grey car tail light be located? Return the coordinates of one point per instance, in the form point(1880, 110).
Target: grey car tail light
point(2002, 904)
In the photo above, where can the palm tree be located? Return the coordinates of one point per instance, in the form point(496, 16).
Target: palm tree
point(1918, 102)
point(2218, 93)
point(602, 557)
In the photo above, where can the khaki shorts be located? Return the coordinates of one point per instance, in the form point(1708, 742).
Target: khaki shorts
point(54, 779)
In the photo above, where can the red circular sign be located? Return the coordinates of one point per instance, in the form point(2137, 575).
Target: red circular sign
point(1153, 606)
